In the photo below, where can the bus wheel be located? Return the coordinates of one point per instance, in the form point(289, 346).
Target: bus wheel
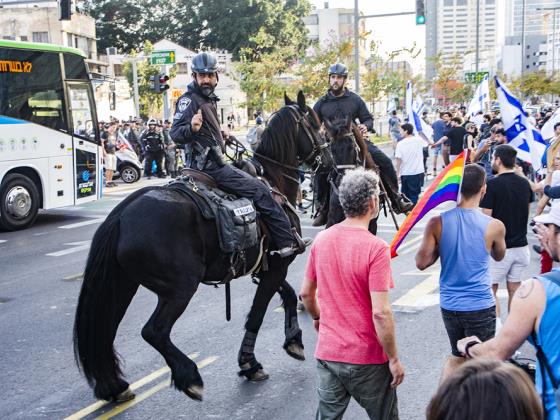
point(19, 202)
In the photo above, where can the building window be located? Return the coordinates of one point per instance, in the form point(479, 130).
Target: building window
point(9, 37)
point(311, 20)
point(448, 3)
point(69, 40)
point(346, 18)
point(182, 68)
point(40, 37)
point(461, 2)
point(23, 38)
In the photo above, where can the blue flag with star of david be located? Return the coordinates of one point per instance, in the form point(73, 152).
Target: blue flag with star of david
point(521, 134)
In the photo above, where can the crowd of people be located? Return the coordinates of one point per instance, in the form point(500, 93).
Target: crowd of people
point(480, 244)
point(151, 142)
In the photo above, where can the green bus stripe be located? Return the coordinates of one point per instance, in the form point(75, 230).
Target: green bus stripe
point(19, 45)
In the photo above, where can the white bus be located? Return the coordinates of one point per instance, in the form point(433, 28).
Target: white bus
point(49, 138)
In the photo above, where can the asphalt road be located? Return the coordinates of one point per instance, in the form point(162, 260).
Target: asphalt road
point(39, 283)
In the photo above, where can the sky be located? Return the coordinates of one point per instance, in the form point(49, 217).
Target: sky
point(393, 33)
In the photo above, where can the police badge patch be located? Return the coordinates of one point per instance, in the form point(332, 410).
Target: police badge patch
point(183, 104)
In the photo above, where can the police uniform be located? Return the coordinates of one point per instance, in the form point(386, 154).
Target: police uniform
point(330, 106)
point(204, 151)
point(152, 143)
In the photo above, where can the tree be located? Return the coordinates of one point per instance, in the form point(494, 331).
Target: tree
point(447, 75)
point(312, 72)
point(258, 26)
point(262, 82)
point(151, 103)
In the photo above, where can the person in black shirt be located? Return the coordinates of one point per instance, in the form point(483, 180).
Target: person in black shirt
point(508, 197)
point(456, 138)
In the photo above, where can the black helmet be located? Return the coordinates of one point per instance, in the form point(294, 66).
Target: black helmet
point(204, 63)
point(339, 69)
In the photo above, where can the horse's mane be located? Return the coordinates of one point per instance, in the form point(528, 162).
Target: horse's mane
point(363, 147)
point(276, 140)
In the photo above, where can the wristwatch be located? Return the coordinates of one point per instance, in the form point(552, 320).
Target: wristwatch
point(468, 346)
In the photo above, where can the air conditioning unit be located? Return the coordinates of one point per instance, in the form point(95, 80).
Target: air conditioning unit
point(111, 51)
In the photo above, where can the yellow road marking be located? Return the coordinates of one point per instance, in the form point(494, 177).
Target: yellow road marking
point(156, 388)
point(138, 384)
point(413, 295)
point(73, 277)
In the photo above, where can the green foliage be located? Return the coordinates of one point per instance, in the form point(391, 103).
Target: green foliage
point(381, 79)
point(261, 80)
point(447, 76)
point(313, 70)
point(151, 103)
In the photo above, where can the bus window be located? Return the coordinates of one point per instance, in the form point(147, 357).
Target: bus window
point(29, 92)
point(81, 112)
point(75, 67)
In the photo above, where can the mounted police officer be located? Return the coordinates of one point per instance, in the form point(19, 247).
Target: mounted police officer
point(152, 147)
point(340, 102)
point(196, 125)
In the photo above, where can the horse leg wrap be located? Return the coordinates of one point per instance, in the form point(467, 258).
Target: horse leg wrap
point(246, 359)
point(292, 331)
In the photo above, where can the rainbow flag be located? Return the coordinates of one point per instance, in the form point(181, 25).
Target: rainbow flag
point(445, 187)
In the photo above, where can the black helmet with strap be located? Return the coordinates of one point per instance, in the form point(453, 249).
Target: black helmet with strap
point(204, 63)
point(339, 69)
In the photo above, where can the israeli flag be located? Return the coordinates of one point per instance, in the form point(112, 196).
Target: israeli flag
point(547, 130)
point(520, 132)
point(414, 110)
point(480, 99)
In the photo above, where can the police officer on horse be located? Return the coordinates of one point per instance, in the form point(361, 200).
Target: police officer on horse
point(196, 125)
point(340, 102)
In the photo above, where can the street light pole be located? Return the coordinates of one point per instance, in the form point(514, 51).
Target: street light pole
point(356, 47)
point(357, 18)
point(477, 35)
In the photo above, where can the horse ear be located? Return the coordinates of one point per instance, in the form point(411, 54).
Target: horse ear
point(287, 100)
point(301, 101)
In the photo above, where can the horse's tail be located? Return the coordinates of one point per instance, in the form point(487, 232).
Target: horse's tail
point(105, 294)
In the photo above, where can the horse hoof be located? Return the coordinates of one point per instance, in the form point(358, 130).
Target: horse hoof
point(296, 351)
point(124, 396)
point(258, 376)
point(195, 392)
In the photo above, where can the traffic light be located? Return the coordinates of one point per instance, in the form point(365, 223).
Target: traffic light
point(420, 12)
point(158, 84)
point(162, 83)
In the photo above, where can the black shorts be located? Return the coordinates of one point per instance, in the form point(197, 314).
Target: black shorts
point(461, 324)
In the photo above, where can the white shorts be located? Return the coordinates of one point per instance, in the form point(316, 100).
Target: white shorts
point(512, 266)
point(110, 162)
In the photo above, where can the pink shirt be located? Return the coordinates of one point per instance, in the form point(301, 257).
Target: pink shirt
point(348, 263)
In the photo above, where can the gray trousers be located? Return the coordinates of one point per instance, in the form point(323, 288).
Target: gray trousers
point(369, 385)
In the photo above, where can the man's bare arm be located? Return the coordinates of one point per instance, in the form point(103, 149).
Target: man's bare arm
point(309, 297)
point(428, 253)
point(398, 166)
point(497, 233)
point(527, 307)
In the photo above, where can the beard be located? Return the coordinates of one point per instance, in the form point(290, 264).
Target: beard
point(494, 170)
point(207, 90)
point(337, 89)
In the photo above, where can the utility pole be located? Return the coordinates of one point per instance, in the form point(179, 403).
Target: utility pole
point(356, 47)
point(135, 84)
point(165, 98)
point(357, 18)
point(477, 35)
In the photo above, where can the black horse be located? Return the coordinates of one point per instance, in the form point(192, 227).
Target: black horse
point(158, 238)
point(349, 151)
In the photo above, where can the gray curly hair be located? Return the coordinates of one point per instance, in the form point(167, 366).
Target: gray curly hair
point(355, 190)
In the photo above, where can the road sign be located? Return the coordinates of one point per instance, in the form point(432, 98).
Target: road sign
point(162, 57)
point(474, 77)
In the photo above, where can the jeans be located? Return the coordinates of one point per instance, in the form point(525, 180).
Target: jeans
point(369, 385)
point(411, 185)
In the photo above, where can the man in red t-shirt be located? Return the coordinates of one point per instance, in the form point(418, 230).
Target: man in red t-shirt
point(345, 290)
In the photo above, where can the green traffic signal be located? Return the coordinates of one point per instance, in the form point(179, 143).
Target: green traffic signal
point(420, 20)
point(420, 12)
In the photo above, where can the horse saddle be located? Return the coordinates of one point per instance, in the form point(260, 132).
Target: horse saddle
point(235, 217)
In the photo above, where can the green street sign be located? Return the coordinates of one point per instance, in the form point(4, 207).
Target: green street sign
point(162, 57)
point(474, 77)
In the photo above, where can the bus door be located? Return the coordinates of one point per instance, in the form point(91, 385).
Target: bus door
point(87, 168)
